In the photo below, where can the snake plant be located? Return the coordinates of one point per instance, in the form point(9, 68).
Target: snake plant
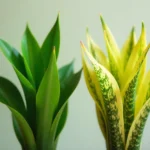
point(120, 87)
point(40, 116)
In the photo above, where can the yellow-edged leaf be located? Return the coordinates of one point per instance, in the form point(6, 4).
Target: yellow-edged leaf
point(129, 104)
point(128, 47)
point(141, 75)
point(92, 83)
point(141, 95)
point(136, 54)
point(112, 101)
point(109, 37)
point(131, 73)
point(114, 65)
point(129, 92)
point(101, 121)
point(96, 52)
point(136, 130)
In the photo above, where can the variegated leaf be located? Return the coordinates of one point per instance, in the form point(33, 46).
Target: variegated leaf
point(96, 52)
point(112, 101)
point(129, 93)
point(92, 82)
point(136, 130)
point(136, 54)
point(114, 64)
point(141, 75)
point(143, 93)
point(102, 123)
point(110, 39)
point(129, 104)
point(128, 47)
point(108, 35)
point(134, 70)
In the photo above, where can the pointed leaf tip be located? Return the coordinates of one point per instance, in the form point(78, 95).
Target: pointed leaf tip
point(87, 30)
point(133, 30)
point(143, 27)
point(102, 22)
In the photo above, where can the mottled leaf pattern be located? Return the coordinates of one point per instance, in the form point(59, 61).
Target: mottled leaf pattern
point(121, 89)
point(129, 104)
point(136, 130)
point(112, 102)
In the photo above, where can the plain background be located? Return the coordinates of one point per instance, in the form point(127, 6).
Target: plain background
point(81, 131)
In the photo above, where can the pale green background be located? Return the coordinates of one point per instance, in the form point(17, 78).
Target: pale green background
point(81, 131)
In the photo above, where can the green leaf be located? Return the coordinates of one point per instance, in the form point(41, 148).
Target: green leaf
point(54, 127)
point(26, 132)
point(65, 72)
point(68, 82)
point(52, 40)
point(62, 121)
point(27, 141)
point(18, 132)
point(136, 130)
point(18, 64)
point(10, 96)
point(30, 97)
point(32, 55)
point(47, 100)
point(13, 57)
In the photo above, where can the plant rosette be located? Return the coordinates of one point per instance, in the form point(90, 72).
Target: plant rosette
point(39, 121)
point(120, 87)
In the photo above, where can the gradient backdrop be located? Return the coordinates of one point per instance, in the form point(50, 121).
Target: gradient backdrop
point(81, 131)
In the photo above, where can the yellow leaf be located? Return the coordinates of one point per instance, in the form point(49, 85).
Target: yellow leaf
point(109, 37)
point(141, 95)
point(131, 73)
point(96, 52)
point(128, 47)
point(114, 65)
point(136, 54)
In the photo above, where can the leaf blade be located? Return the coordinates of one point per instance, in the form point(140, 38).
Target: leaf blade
point(52, 40)
point(46, 106)
point(11, 96)
point(32, 55)
point(136, 130)
point(112, 102)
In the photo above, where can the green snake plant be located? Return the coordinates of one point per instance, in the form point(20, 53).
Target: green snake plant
point(120, 87)
point(40, 115)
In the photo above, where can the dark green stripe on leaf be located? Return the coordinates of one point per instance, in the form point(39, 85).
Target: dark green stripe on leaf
point(129, 104)
point(110, 100)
